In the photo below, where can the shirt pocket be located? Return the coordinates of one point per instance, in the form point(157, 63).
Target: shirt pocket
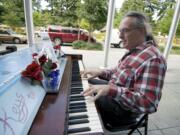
point(126, 76)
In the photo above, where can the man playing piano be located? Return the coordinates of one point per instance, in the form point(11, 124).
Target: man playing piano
point(134, 86)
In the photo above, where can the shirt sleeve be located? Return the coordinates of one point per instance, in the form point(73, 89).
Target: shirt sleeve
point(106, 74)
point(145, 94)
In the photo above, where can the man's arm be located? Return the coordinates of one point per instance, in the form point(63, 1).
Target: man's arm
point(106, 74)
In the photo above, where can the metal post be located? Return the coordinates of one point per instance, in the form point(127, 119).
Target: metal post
point(110, 18)
point(29, 22)
point(173, 28)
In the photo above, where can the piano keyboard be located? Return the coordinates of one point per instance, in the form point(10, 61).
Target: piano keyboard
point(83, 117)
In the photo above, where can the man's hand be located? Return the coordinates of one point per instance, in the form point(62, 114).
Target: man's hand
point(99, 90)
point(91, 73)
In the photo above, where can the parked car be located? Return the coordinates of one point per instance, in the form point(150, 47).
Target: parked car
point(43, 34)
point(59, 34)
point(115, 40)
point(12, 37)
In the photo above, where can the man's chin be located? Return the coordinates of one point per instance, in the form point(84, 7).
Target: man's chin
point(124, 45)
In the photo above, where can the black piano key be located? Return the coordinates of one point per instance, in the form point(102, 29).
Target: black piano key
point(76, 71)
point(77, 96)
point(77, 110)
point(79, 121)
point(76, 107)
point(76, 88)
point(76, 85)
point(76, 130)
point(75, 92)
point(78, 117)
point(77, 99)
point(75, 79)
point(75, 68)
point(76, 104)
point(76, 82)
point(76, 76)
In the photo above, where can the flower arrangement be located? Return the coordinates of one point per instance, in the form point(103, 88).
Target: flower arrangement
point(33, 72)
point(43, 70)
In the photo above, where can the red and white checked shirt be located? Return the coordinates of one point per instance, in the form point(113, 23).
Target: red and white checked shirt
point(136, 82)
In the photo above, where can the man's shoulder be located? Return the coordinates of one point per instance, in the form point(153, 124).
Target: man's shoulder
point(150, 51)
point(146, 54)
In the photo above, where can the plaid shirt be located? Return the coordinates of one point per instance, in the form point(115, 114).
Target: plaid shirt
point(137, 81)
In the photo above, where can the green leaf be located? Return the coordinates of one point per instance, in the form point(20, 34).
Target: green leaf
point(47, 67)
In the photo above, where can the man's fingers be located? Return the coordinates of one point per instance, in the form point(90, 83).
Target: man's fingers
point(85, 74)
point(97, 95)
point(89, 92)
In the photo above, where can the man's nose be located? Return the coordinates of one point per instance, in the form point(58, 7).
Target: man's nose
point(121, 35)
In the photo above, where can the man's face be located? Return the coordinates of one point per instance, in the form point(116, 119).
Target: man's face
point(130, 35)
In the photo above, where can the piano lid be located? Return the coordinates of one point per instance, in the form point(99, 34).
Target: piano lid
point(19, 99)
point(13, 63)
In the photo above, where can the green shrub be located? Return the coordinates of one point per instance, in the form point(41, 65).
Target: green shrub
point(86, 45)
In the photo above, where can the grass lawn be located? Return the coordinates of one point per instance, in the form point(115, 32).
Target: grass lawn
point(86, 45)
point(174, 50)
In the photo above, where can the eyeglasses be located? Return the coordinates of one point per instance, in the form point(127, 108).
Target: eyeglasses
point(126, 30)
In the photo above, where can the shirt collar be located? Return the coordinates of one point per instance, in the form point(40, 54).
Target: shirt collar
point(142, 46)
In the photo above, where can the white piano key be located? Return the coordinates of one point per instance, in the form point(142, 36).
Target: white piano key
point(92, 124)
point(88, 133)
point(83, 113)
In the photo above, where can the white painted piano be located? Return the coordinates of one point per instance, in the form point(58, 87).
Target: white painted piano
point(28, 109)
point(20, 101)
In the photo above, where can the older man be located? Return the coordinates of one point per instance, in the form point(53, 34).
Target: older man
point(134, 86)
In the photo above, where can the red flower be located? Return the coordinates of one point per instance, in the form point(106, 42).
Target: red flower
point(53, 66)
point(57, 47)
point(42, 59)
point(33, 71)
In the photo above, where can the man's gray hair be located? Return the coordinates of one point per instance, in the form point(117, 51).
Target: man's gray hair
point(142, 22)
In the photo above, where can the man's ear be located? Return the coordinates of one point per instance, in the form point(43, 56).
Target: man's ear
point(142, 30)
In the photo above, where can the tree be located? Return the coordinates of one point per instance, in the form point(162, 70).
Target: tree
point(1, 12)
point(136, 5)
point(117, 19)
point(159, 12)
point(41, 18)
point(63, 12)
point(164, 23)
point(13, 13)
point(95, 13)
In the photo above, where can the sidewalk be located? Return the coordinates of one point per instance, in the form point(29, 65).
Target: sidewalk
point(166, 121)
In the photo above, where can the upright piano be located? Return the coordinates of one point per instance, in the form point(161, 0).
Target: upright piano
point(28, 109)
